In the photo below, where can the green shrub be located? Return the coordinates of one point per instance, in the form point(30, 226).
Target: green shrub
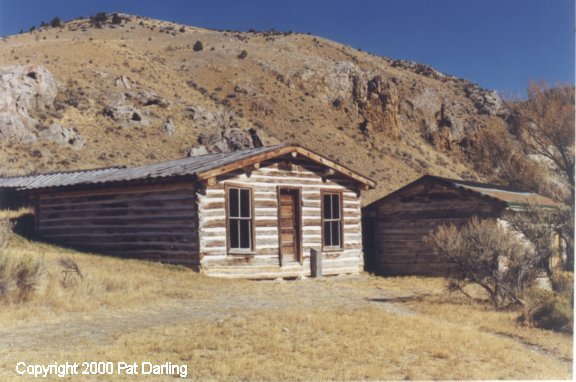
point(198, 46)
point(56, 22)
point(116, 19)
point(20, 274)
point(548, 310)
point(563, 282)
point(100, 17)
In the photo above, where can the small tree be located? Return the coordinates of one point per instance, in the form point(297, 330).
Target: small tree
point(198, 46)
point(116, 19)
point(484, 253)
point(539, 226)
point(546, 126)
point(56, 22)
point(100, 17)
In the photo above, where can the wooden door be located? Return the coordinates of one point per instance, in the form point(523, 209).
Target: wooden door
point(289, 225)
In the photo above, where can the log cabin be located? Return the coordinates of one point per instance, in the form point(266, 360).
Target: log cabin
point(256, 213)
point(396, 226)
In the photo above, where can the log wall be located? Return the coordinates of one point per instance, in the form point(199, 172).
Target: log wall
point(264, 261)
point(397, 227)
point(156, 222)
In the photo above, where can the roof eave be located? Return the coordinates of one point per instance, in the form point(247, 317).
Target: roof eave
point(284, 150)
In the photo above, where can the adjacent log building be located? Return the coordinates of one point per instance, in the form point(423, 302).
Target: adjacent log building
point(396, 226)
point(255, 213)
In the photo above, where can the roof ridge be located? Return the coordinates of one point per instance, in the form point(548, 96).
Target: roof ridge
point(472, 183)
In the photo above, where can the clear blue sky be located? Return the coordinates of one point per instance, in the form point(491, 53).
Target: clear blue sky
point(500, 44)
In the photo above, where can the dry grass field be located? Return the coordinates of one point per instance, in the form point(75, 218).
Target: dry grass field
point(338, 328)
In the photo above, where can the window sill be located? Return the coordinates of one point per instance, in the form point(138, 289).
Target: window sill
point(241, 253)
point(332, 249)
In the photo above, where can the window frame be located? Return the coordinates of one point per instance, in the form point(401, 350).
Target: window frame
point(229, 249)
point(340, 193)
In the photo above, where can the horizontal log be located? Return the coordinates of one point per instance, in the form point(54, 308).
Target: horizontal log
point(189, 187)
point(135, 215)
point(125, 203)
point(48, 212)
point(146, 229)
point(118, 244)
point(435, 214)
point(166, 236)
point(152, 254)
point(64, 199)
point(122, 220)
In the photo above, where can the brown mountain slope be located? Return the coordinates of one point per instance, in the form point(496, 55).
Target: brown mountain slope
point(144, 91)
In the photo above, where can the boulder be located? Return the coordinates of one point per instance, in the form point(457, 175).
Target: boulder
point(126, 115)
point(148, 98)
point(196, 151)
point(63, 135)
point(123, 82)
point(237, 139)
point(169, 127)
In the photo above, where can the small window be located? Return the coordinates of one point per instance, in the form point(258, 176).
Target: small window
point(332, 220)
point(240, 218)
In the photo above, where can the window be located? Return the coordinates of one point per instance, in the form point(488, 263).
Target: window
point(240, 218)
point(332, 220)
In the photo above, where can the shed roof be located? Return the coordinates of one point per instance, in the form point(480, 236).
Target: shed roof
point(202, 167)
point(513, 198)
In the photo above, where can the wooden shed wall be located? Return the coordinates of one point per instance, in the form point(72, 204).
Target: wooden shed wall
point(154, 222)
point(397, 227)
point(264, 263)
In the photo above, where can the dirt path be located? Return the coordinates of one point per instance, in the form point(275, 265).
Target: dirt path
point(105, 324)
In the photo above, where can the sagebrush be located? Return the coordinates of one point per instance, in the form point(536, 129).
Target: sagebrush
point(484, 253)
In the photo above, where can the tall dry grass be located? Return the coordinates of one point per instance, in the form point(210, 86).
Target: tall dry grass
point(422, 333)
point(106, 282)
point(326, 344)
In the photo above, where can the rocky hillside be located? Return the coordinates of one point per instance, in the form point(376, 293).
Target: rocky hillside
point(97, 93)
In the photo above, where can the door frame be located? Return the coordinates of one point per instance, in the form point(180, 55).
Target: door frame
point(298, 220)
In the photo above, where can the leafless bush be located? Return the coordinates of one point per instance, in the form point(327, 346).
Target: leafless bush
point(484, 253)
point(71, 272)
point(19, 275)
point(27, 272)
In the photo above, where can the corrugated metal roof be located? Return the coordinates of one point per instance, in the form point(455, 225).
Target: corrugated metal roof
point(512, 197)
point(508, 195)
point(54, 179)
point(179, 167)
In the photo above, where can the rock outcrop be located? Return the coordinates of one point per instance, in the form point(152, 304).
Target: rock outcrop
point(222, 132)
point(25, 92)
point(377, 102)
point(486, 101)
